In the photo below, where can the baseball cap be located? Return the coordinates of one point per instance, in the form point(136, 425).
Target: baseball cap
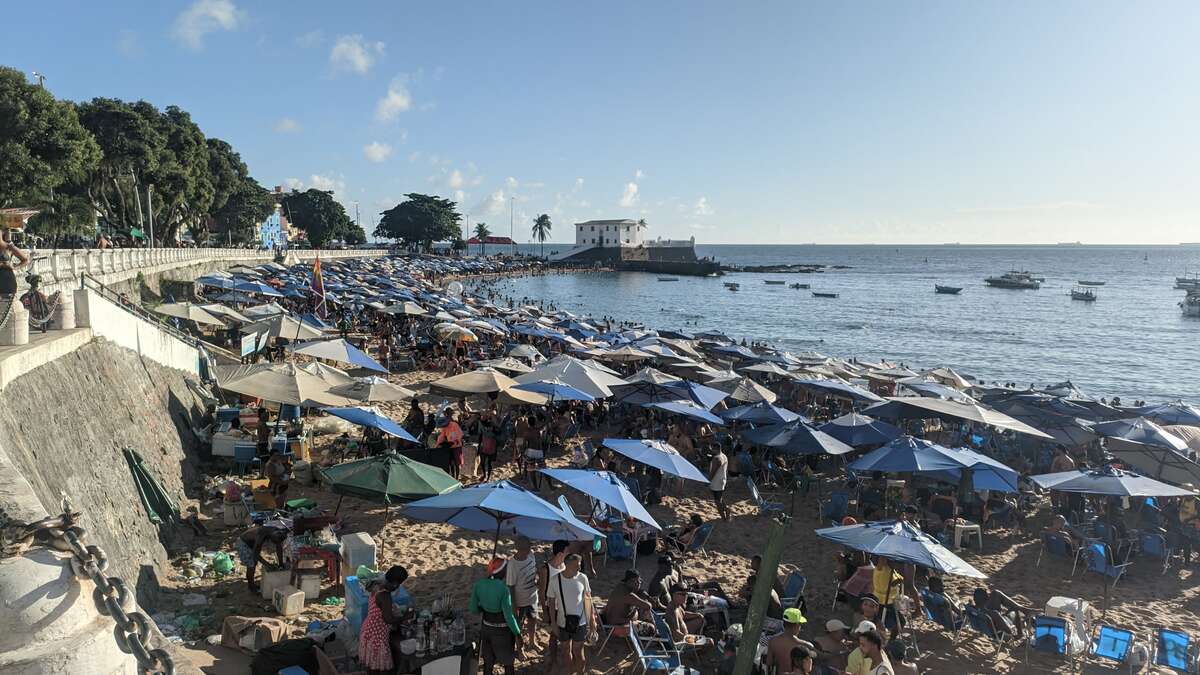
point(835, 624)
point(496, 565)
point(678, 588)
point(864, 627)
point(793, 615)
point(871, 597)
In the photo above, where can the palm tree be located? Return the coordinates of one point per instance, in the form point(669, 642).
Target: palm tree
point(63, 215)
point(482, 233)
point(541, 231)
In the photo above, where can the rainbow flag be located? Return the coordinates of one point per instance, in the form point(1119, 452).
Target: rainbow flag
point(318, 290)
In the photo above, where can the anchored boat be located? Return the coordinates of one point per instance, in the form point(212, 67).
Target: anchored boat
point(1084, 294)
point(1191, 304)
point(1016, 280)
point(947, 290)
point(668, 278)
point(1090, 283)
point(797, 286)
point(773, 282)
point(824, 295)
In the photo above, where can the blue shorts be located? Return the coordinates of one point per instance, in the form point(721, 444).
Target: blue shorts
point(245, 553)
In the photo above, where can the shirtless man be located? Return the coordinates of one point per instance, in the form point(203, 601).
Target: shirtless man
point(779, 649)
point(250, 546)
point(627, 602)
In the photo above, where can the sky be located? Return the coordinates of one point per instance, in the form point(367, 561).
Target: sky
point(768, 122)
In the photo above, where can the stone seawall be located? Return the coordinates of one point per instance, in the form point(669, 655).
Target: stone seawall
point(64, 424)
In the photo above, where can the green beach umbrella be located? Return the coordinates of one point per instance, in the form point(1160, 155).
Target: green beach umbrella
point(389, 478)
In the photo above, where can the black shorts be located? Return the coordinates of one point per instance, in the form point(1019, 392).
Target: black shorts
point(499, 643)
point(580, 634)
point(718, 495)
point(524, 612)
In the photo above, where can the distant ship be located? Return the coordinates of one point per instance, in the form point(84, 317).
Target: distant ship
point(1069, 243)
point(1014, 279)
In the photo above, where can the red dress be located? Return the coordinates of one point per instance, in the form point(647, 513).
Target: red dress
point(374, 644)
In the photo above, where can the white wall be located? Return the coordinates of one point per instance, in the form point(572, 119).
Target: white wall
point(117, 325)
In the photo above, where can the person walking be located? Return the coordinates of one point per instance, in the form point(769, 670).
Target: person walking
point(451, 439)
point(718, 476)
point(499, 634)
point(569, 597)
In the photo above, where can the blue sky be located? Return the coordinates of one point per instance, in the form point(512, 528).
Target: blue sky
point(789, 122)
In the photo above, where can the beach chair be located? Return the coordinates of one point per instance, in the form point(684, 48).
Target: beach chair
point(982, 623)
point(245, 456)
point(664, 632)
point(655, 653)
point(1113, 644)
point(942, 618)
point(699, 540)
point(836, 507)
point(618, 548)
point(1155, 546)
point(765, 508)
point(1058, 545)
point(1173, 649)
point(606, 629)
point(1100, 561)
point(1049, 636)
point(793, 590)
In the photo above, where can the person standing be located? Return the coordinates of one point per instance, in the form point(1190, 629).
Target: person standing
point(499, 633)
point(278, 473)
point(487, 443)
point(718, 476)
point(451, 438)
point(871, 644)
point(8, 268)
point(250, 546)
point(569, 597)
point(374, 638)
point(521, 576)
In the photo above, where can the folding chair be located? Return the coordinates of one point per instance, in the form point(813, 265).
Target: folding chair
point(1155, 545)
point(1113, 644)
point(618, 548)
point(655, 653)
point(1100, 561)
point(1058, 545)
point(1049, 636)
point(664, 631)
point(1173, 649)
point(982, 623)
point(793, 590)
point(836, 507)
point(607, 629)
point(764, 507)
point(943, 617)
point(699, 540)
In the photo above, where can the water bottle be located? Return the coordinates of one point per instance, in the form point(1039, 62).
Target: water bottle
point(420, 644)
point(458, 636)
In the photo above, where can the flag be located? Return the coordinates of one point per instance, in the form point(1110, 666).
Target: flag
point(318, 290)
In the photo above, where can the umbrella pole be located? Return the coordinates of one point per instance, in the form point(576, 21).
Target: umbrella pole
point(339, 504)
point(496, 540)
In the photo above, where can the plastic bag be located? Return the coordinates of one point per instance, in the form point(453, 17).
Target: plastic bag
point(222, 563)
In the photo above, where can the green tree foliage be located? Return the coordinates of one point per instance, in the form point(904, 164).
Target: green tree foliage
point(482, 233)
point(420, 221)
point(321, 217)
point(239, 202)
point(63, 215)
point(541, 230)
point(42, 144)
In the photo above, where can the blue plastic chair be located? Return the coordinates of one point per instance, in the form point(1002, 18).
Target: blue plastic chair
point(1049, 635)
point(699, 540)
point(793, 590)
point(1100, 561)
point(982, 623)
point(656, 653)
point(245, 456)
point(1058, 545)
point(764, 507)
point(1155, 546)
point(618, 548)
point(1112, 644)
point(1173, 649)
point(942, 616)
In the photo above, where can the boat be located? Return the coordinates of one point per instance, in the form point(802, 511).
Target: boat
point(1014, 279)
point(1084, 294)
point(824, 295)
point(732, 285)
point(797, 286)
point(1090, 283)
point(668, 278)
point(773, 282)
point(1191, 304)
point(1188, 282)
point(947, 290)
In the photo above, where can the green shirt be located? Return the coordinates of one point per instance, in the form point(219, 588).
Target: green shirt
point(492, 595)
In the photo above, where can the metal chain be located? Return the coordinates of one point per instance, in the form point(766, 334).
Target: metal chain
point(8, 311)
point(112, 595)
point(38, 322)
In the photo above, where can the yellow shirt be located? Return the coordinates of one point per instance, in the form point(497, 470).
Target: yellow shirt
point(879, 582)
point(857, 664)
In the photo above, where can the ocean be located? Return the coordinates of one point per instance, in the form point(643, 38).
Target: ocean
point(1133, 342)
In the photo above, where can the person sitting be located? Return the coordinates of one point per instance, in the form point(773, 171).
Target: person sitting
point(1007, 615)
point(779, 648)
point(945, 610)
point(803, 661)
point(774, 606)
point(858, 662)
point(868, 610)
point(627, 602)
point(900, 654)
point(682, 538)
point(833, 646)
point(681, 621)
point(665, 576)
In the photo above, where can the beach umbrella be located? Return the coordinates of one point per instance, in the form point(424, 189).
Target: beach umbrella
point(592, 381)
point(389, 478)
point(900, 541)
point(1140, 430)
point(189, 311)
point(920, 407)
point(526, 352)
point(282, 383)
point(1188, 433)
point(651, 376)
point(335, 377)
point(687, 409)
point(704, 396)
point(605, 487)
point(372, 389)
point(450, 332)
point(659, 351)
point(257, 287)
point(501, 507)
point(372, 419)
point(915, 455)
point(282, 326)
point(796, 438)
point(935, 389)
point(1177, 413)
point(859, 430)
point(625, 354)
point(658, 454)
point(760, 413)
point(745, 390)
point(1157, 461)
point(234, 296)
point(734, 350)
point(839, 389)
point(1108, 481)
point(216, 281)
point(407, 308)
point(766, 367)
point(227, 312)
point(948, 377)
point(644, 393)
point(555, 391)
point(508, 364)
point(474, 383)
point(339, 350)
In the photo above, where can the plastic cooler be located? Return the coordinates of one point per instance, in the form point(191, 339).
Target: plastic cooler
point(358, 548)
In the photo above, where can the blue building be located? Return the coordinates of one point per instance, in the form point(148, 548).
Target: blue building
point(272, 233)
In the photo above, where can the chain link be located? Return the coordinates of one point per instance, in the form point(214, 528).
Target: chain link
point(112, 596)
point(38, 322)
point(8, 311)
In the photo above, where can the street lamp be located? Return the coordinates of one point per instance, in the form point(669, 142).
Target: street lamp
point(40, 78)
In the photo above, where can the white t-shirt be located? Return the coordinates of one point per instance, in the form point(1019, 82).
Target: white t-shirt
point(573, 591)
point(522, 576)
point(717, 483)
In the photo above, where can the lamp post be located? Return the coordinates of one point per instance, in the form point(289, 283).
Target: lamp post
point(40, 78)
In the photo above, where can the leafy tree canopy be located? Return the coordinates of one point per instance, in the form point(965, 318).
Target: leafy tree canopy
point(420, 221)
point(320, 216)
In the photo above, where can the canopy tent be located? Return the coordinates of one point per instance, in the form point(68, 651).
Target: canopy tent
point(341, 351)
point(900, 541)
point(919, 456)
point(605, 487)
point(189, 311)
point(372, 389)
point(389, 478)
point(658, 454)
point(1108, 481)
point(797, 438)
point(925, 408)
point(859, 431)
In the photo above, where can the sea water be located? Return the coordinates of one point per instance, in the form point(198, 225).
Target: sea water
point(1133, 342)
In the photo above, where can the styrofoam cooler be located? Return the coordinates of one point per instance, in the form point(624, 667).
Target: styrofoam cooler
point(311, 585)
point(357, 549)
point(273, 580)
point(288, 600)
point(236, 513)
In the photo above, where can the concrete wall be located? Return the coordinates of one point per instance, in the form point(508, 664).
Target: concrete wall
point(114, 323)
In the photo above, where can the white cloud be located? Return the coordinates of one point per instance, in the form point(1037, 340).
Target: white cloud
point(511, 183)
point(376, 151)
point(638, 174)
point(128, 43)
point(414, 155)
point(336, 184)
point(395, 101)
point(204, 17)
point(630, 197)
point(312, 38)
point(491, 205)
point(578, 184)
point(293, 183)
point(459, 196)
point(456, 180)
point(354, 53)
point(287, 125)
point(702, 207)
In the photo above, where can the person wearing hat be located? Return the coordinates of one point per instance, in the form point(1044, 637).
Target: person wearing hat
point(833, 646)
point(451, 438)
point(681, 621)
point(779, 648)
point(858, 662)
point(499, 634)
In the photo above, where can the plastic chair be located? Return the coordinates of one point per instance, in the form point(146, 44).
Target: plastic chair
point(1049, 635)
point(942, 618)
point(836, 507)
point(699, 540)
point(1173, 649)
point(1155, 545)
point(245, 456)
point(764, 507)
point(793, 590)
point(655, 653)
point(1058, 545)
point(618, 548)
point(982, 623)
point(1101, 562)
point(1112, 644)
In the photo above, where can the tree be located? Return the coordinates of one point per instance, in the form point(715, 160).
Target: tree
point(131, 147)
point(42, 144)
point(317, 213)
point(420, 221)
point(541, 231)
point(482, 233)
point(458, 244)
point(245, 209)
point(63, 215)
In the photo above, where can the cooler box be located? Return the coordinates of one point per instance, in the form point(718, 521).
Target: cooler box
point(289, 600)
point(274, 580)
point(357, 549)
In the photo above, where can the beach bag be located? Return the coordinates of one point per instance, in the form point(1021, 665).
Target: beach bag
point(570, 621)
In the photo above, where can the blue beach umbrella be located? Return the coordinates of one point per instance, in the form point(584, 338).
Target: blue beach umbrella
point(902, 542)
point(341, 351)
point(257, 287)
point(914, 455)
point(605, 487)
point(797, 438)
point(1171, 413)
point(687, 410)
point(1140, 430)
point(840, 389)
point(1108, 481)
point(735, 350)
point(217, 282)
point(760, 413)
point(658, 454)
point(370, 417)
point(556, 391)
point(703, 396)
point(501, 507)
point(234, 296)
point(859, 430)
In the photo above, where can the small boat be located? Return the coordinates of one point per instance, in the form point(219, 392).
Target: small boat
point(1191, 304)
point(668, 278)
point(1084, 294)
point(947, 290)
point(773, 282)
point(797, 286)
point(1090, 283)
point(732, 286)
point(1188, 282)
point(824, 295)
point(1015, 279)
